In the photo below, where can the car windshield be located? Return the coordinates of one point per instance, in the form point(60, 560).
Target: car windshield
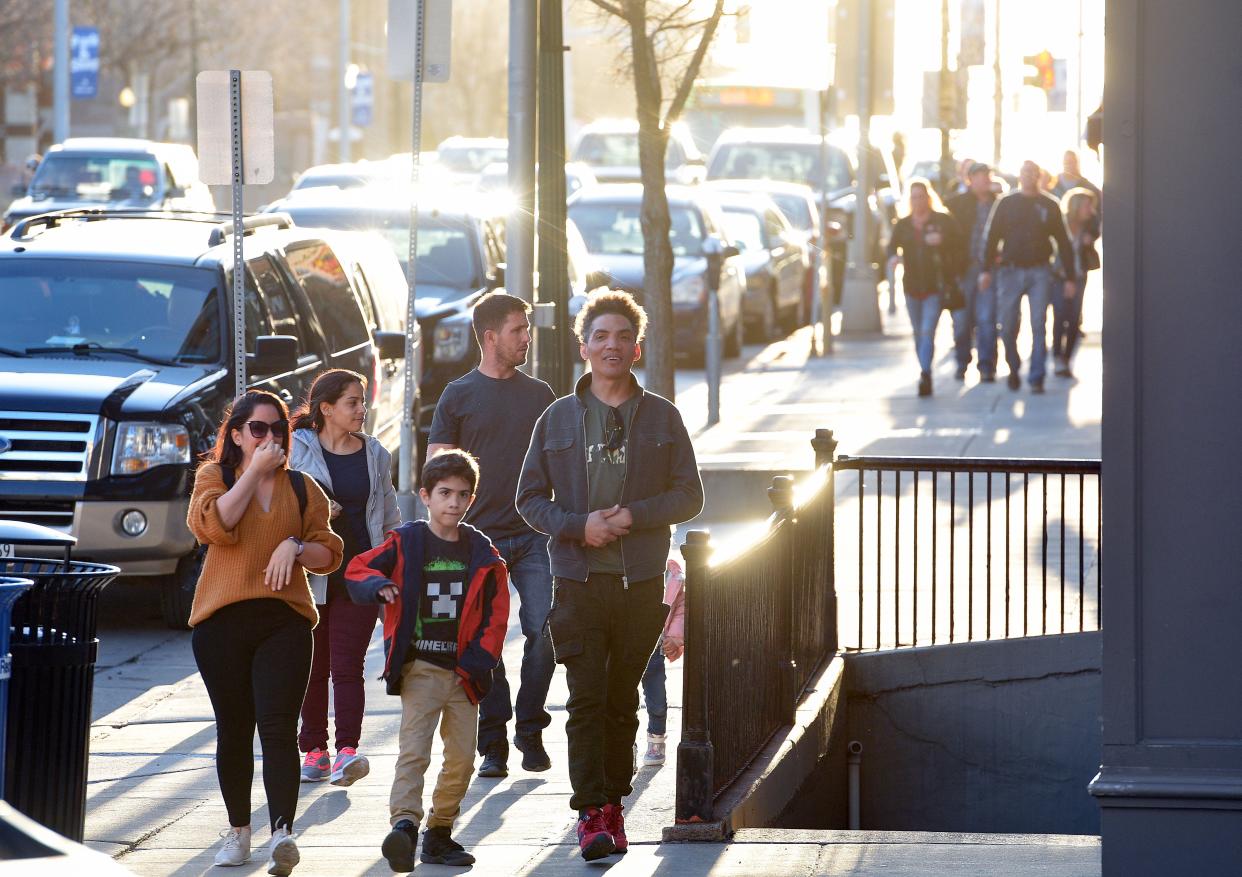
point(130, 178)
point(616, 229)
point(471, 159)
point(164, 311)
point(446, 253)
point(788, 162)
point(796, 211)
point(744, 228)
point(616, 150)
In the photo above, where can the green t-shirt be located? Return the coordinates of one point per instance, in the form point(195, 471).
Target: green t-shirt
point(606, 470)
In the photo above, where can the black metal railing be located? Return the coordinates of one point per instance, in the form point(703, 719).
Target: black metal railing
point(759, 623)
point(952, 550)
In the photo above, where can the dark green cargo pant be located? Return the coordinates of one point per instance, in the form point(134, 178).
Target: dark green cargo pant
point(604, 634)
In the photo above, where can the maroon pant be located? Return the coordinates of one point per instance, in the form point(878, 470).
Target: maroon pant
point(341, 640)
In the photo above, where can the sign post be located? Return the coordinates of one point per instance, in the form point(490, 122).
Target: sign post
point(413, 21)
point(236, 147)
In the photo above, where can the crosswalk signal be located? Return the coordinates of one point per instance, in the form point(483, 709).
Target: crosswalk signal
point(1045, 75)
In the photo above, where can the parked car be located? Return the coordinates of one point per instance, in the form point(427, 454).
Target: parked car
point(608, 216)
point(119, 365)
point(495, 177)
point(350, 175)
point(112, 172)
point(797, 202)
point(610, 148)
point(795, 155)
point(469, 155)
point(775, 259)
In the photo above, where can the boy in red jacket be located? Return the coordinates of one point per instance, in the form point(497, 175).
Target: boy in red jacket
point(446, 596)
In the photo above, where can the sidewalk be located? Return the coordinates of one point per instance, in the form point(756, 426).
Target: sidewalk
point(153, 802)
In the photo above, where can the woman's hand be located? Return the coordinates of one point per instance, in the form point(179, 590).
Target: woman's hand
point(268, 457)
point(674, 646)
point(280, 568)
point(388, 593)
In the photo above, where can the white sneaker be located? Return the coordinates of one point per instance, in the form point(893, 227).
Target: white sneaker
point(655, 750)
point(283, 854)
point(236, 848)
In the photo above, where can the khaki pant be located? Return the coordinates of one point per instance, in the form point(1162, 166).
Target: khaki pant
point(431, 695)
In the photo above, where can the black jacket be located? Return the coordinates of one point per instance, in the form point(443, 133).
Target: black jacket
point(1021, 231)
point(963, 208)
point(928, 268)
point(662, 484)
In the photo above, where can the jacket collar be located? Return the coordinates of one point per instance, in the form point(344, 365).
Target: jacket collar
point(482, 552)
point(584, 386)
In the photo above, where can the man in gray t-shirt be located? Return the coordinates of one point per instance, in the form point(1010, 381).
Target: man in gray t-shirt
point(491, 413)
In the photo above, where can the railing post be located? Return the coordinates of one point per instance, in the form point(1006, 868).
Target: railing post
point(694, 752)
point(781, 495)
point(825, 447)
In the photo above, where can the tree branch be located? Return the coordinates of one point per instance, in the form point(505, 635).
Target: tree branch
point(610, 8)
point(682, 94)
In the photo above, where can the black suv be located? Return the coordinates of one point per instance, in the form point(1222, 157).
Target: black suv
point(117, 365)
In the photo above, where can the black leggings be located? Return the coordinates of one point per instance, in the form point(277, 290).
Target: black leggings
point(255, 659)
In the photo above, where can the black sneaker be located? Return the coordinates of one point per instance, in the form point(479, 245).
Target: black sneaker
point(988, 377)
point(439, 848)
point(495, 761)
point(1015, 382)
point(961, 373)
point(398, 846)
point(534, 756)
point(1037, 387)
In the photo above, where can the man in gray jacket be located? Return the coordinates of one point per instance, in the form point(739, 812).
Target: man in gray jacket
point(609, 470)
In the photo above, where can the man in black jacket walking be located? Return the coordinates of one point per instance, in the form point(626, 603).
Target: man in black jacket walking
point(1021, 231)
point(975, 324)
point(609, 470)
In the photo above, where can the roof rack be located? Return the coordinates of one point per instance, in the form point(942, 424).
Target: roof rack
point(249, 224)
point(29, 227)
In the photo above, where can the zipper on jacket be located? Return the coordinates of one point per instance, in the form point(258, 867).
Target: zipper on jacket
point(629, 434)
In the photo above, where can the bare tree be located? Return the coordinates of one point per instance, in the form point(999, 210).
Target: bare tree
point(668, 42)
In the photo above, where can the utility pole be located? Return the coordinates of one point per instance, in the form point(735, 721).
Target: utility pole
point(860, 306)
point(947, 108)
point(193, 71)
point(553, 348)
point(60, 74)
point(342, 90)
point(520, 230)
point(998, 94)
point(1078, 132)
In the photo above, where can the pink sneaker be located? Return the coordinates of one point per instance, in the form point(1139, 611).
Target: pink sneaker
point(349, 767)
point(316, 766)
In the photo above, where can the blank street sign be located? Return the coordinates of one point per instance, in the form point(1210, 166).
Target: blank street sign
point(215, 152)
point(437, 39)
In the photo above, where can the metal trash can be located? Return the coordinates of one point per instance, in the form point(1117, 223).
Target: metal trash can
point(54, 650)
point(10, 590)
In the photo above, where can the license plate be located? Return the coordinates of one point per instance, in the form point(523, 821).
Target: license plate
point(6, 550)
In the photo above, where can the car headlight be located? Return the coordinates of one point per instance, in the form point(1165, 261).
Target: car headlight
point(452, 339)
point(689, 290)
point(143, 446)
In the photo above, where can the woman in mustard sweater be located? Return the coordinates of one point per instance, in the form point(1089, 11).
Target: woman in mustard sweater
point(253, 611)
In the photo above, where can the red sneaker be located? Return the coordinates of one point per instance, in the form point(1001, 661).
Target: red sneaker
point(615, 820)
point(594, 839)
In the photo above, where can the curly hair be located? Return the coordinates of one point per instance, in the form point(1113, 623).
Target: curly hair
point(615, 302)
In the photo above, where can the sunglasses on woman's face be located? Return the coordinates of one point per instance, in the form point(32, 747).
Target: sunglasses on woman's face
point(260, 428)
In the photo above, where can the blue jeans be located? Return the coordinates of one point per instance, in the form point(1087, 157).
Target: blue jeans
point(527, 558)
point(924, 315)
point(1067, 319)
point(655, 696)
point(975, 324)
point(1035, 283)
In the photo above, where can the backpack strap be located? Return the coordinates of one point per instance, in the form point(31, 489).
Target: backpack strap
point(297, 480)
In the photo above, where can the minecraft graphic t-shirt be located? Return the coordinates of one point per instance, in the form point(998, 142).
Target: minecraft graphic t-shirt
point(439, 609)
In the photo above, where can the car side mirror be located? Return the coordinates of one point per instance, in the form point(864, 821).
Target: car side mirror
point(496, 280)
point(273, 354)
point(597, 279)
point(729, 251)
point(391, 345)
point(175, 192)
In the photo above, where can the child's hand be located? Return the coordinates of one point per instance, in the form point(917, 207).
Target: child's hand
point(388, 594)
point(674, 646)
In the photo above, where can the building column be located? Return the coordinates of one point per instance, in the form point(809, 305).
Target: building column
point(1170, 786)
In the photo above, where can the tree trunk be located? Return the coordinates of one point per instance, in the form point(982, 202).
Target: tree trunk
point(657, 251)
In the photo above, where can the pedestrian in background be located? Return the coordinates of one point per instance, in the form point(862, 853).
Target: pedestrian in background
point(927, 242)
point(446, 607)
point(491, 412)
point(1071, 178)
point(670, 648)
point(974, 325)
point(1021, 232)
point(1080, 207)
point(355, 471)
point(264, 526)
point(609, 471)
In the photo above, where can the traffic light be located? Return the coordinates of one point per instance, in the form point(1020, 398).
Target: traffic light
point(1045, 75)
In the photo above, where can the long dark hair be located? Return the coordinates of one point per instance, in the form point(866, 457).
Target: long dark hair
point(226, 452)
point(328, 387)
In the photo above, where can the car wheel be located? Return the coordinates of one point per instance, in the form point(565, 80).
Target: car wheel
point(763, 330)
point(177, 590)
